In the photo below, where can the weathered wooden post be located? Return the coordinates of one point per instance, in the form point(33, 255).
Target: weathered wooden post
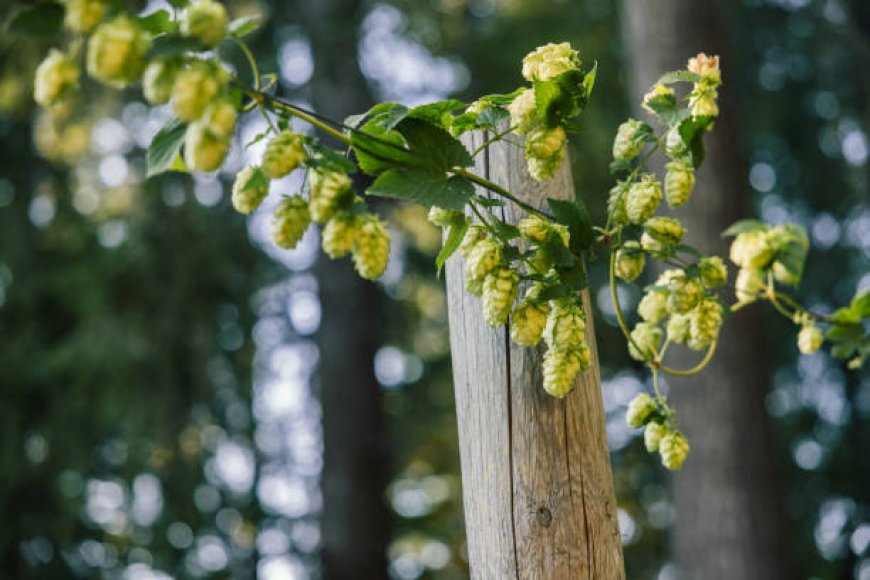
point(536, 476)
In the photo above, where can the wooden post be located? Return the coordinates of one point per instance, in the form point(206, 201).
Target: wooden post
point(537, 484)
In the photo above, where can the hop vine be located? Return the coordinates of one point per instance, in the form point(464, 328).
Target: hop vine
point(530, 276)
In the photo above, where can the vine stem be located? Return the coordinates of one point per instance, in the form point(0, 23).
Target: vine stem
point(264, 99)
point(695, 369)
point(491, 140)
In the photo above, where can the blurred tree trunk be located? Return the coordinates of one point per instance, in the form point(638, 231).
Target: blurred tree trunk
point(729, 519)
point(355, 522)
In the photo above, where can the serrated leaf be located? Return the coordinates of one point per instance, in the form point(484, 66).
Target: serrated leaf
point(744, 226)
point(433, 147)
point(378, 149)
point(355, 121)
point(455, 233)
point(171, 45)
point(492, 116)
point(692, 131)
point(434, 112)
point(424, 187)
point(165, 147)
point(243, 26)
point(44, 20)
point(505, 231)
point(502, 99)
point(158, 22)
point(554, 292)
point(678, 76)
point(329, 159)
point(618, 166)
point(861, 304)
point(589, 80)
point(687, 249)
point(574, 215)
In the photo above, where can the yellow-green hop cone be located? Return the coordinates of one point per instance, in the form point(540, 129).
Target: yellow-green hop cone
point(549, 61)
point(158, 81)
point(616, 204)
point(206, 20)
point(752, 249)
point(713, 271)
point(673, 447)
point(83, 15)
point(641, 408)
point(674, 144)
point(523, 111)
point(542, 169)
point(684, 294)
point(561, 368)
point(528, 321)
point(534, 228)
point(679, 183)
point(566, 325)
point(483, 258)
point(702, 102)
point(648, 338)
point(748, 285)
point(372, 250)
point(625, 145)
point(643, 199)
point(204, 151)
point(665, 229)
point(707, 67)
point(653, 434)
point(499, 293)
point(220, 118)
point(679, 328)
point(328, 189)
point(194, 89)
point(705, 321)
point(655, 248)
point(443, 217)
point(290, 221)
point(474, 234)
point(630, 261)
point(810, 339)
point(283, 154)
point(474, 286)
point(249, 190)
point(339, 235)
point(56, 77)
point(789, 239)
point(116, 50)
point(653, 307)
point(544, 143)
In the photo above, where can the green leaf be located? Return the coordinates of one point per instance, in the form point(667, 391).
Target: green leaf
point(554, 292)
point(575, 275)
point(157, 22)
point(378, 149)
point(488, 201)
point(374, 113)
point(678, 76)
point(329, 159)
point(692, 131)
point(589, 80)
point(618, 166)
point(179, 3)
point(502, 99)
point(172, 45)
point(574, 215)
point(505, 232)
point(434, 112)
point(744, 226)
point(165, 147)
point(433, 147)
point(423, 187)
point(44, 20)
point(861, 304)
point(687, 249)
point(243, 26)
point(455, 233)
point(492, 116)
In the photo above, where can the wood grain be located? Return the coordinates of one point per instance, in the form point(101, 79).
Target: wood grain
point(537, 483)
